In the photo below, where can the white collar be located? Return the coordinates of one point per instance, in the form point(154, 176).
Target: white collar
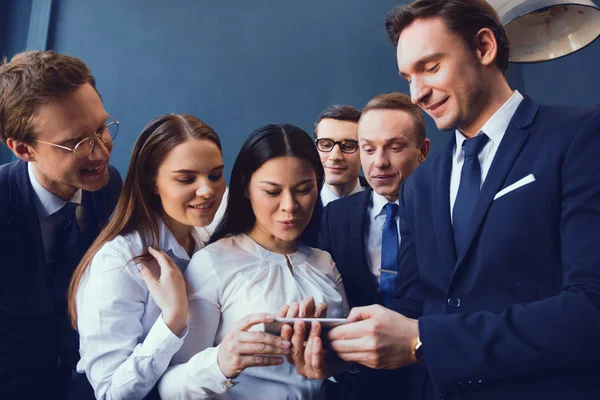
point(327, 195)
point(47, 202)
point(167, 241)
point(379, 202)
point(495, 127)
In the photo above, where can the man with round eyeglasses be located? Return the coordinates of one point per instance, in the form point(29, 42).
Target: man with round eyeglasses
point(335, 133)
point(55, 200)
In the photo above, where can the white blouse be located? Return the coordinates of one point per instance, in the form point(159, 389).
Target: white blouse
point(125, 345)
point(228, 280)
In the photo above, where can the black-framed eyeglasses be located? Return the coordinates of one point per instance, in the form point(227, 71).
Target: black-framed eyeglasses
point(346, 146)
point(82, 150)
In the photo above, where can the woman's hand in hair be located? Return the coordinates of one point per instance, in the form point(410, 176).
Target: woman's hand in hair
point(168, 290)
point(241, 349)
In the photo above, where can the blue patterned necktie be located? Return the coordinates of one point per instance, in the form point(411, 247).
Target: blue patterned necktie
point(389, 253)
point(468, 189)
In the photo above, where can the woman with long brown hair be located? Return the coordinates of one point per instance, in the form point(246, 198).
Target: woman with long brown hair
point(127, 296)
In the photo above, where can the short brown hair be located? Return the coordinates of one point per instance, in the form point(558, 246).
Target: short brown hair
point(32, 79)
point(402, 102)
point(337, 112)
point(465, 17)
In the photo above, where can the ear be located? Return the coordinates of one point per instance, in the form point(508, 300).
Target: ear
point(424, 149)
point(486, 47)
point(22, 150)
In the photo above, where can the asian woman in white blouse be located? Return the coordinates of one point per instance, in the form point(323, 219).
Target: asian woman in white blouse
point(127, 296)
point(256, 262)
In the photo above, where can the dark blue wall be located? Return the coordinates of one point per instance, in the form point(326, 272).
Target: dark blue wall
point(240, 64)
point(14, 24)
point(236, 64)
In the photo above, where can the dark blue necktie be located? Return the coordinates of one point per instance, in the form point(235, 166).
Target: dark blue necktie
point(389, 253)
point(67, 248)
point(468, 190)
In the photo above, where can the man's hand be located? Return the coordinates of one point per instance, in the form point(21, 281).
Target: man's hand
point(376, 337)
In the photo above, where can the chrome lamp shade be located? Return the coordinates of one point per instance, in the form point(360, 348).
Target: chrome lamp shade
point(541, 30)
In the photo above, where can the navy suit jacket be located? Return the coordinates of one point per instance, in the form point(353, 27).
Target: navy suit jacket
point(517, 313)
point(342, 234)
point(32, 317)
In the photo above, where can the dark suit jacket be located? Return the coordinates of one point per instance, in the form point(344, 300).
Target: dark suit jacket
point(517, 313)
point(342, 234)
point(31, 315)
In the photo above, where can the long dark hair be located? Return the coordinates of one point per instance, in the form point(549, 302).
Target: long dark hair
point(264, 144)
point(138, 204)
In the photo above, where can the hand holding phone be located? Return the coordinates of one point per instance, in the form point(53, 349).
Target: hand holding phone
point(274, 327)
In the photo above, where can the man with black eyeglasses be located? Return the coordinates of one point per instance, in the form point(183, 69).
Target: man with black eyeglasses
point(54, 201)
point(361, 231)
point(336, 139)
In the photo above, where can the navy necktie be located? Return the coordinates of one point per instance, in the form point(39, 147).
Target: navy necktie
point(468, 190)
point(67, 249)
point(389, 253)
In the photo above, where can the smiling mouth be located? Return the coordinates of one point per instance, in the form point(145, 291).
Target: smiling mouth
point(202, 206)
point(437, 105)
point(95, 170)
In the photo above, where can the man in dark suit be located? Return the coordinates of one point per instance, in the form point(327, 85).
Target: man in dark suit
point(54, 201)
point(335, 132)
point(355, 229)
point(498, 293)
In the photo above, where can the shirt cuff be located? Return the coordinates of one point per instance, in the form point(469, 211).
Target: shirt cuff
point(160, 339)
point(205, 363)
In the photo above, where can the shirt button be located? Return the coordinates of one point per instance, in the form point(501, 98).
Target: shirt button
point(454, 302)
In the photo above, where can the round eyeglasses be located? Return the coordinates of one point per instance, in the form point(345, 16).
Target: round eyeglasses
point(82, 150)
point(346, 146)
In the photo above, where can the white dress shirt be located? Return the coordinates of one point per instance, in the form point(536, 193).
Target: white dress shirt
point(47, 204)
point(494, 128)
point(228, 280)
point(327, 195)
point(375, 219)
point(125, 345)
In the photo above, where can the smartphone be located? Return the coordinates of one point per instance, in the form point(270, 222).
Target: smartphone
point(274, 327)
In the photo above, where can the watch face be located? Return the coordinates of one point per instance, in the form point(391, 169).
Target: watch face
point(419, 352)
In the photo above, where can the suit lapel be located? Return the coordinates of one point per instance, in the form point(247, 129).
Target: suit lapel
point(441, 208)
point(357, 240)
point(24, 223)
point(514, 138)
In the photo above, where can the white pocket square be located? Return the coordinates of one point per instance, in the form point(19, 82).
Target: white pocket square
point(521, 182)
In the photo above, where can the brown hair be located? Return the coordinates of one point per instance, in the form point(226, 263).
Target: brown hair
point(138, 205)
point(30, 80)
point(465, 17)
point(402, 102)
point(337, 112)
